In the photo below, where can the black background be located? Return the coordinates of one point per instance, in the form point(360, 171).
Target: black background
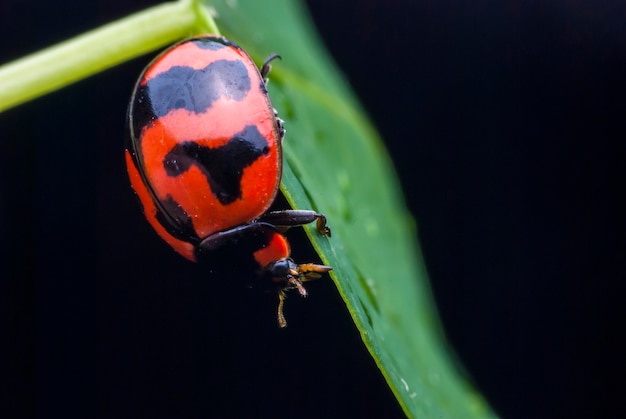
point(506, 123)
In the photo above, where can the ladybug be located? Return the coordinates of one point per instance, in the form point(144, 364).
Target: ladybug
point(204, 157)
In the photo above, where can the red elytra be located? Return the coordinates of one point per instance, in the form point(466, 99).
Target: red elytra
point(205, 159)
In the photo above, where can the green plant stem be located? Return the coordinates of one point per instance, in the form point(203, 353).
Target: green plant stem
point(99, 49)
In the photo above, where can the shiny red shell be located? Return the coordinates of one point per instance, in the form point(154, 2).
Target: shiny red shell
point(204, 153)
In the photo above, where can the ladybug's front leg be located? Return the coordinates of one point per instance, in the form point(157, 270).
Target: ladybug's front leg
point(244, 239)
point(291, 218)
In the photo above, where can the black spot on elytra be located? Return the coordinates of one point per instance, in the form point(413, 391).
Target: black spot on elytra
point(185, 88)
point(222, 166)
point(213, 43)
point(176, 220)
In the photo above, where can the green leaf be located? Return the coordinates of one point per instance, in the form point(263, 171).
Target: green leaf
point(335, 163)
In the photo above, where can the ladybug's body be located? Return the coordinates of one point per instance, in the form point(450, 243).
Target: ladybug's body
point(205, 159)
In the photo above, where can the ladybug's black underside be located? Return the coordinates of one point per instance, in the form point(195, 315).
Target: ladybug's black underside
point(232, 251)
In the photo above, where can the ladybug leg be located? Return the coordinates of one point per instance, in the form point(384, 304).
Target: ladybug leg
point(265, 70)
point(282, 323)
point(291, 218)
point(282, 296)
point(280, 125)
point(266, 67)
point(254, 236)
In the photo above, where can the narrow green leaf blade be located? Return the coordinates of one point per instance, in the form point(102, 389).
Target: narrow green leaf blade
point(335, 163)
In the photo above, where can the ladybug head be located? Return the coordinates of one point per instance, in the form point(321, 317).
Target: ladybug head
point(285, 274)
